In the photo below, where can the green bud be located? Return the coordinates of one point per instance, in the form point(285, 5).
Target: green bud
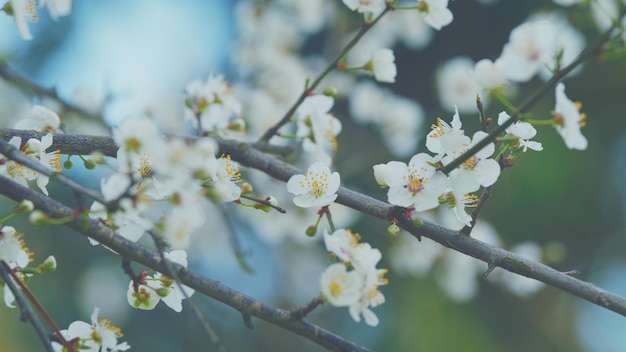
point(89, 164)
point(50, 264)
point(418, 222)
point(163, 292)
point(38, 217)
point(311, 230)
point(98, 158)
point(393, 230)
point(330, 92)
point(25, 206)
point(246, 188)
point(67, 164)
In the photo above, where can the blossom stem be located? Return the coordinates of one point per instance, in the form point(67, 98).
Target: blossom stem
point(329, 217)
point(502, 99)
point(9, 216)
point(548, 122)
point(310, 88)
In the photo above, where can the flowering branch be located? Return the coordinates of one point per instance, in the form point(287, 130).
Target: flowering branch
point(309, 88)
point(492, 255)
point(211, 288)
point(589, 52)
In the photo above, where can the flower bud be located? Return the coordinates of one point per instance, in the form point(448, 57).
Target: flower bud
point(330, 92)
point(393, 230)
point(89, 164)
point(271, 200)
point(38, 217)
point(50, 264)
point(68, 164)
point(246, 188)
point(98, 158)
point(163, 292)
point(237, 125)
point(25, 206)
point(311, 230)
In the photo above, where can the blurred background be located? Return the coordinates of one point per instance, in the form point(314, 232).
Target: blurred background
point(565, 208)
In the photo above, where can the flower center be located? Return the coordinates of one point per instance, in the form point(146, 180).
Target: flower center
point(471, 163)
point(415, 184)
point(316, 183)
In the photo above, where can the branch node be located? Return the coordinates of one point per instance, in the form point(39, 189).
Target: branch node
point(247, 320)
point(491, 265)
point(303, 311)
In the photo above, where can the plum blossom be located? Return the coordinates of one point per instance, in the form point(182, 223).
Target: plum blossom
point(489, 74)
point(531, 46)
point(374, 7)
point(98, 336)
point(417, 184)
point(159, 287)
point(57, 8)
point(15, 254)
point(318, 127)
point(340, 286)
point(435, 13)
point(23, 11)
point(34, 149)
point(479, 170)
point(358, 288)
point(397, 118)
point(316, 188)
point(569, 120)
point(523, 131)
point(382, 66)
point(40, 119)
point(456, 86)
point(212, 106)
point(447, 138)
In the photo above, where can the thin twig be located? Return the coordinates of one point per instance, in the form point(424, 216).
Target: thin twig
point(11, 279)
point(27, 313)
point(310, 88)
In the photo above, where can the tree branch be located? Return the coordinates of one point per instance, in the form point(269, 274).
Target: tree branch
point(33, 87)
point(214, 289)
point(247, 155)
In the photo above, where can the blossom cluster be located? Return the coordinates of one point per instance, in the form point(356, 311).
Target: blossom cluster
point(353, 282)
point(39, 119)
point(151, 289)
point(98, 336)
point(213, 108)
point(421, 186)
point(154, 170)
